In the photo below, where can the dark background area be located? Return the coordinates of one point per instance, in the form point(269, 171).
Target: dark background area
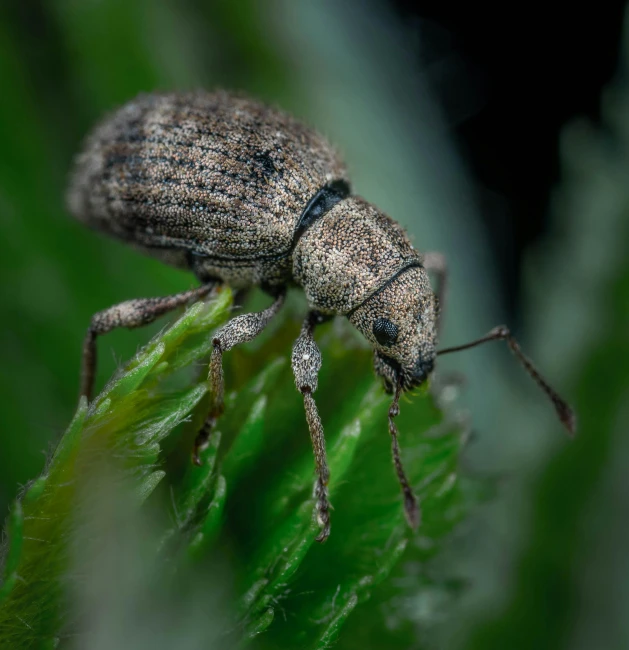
point(508, 77)
point(505, 111)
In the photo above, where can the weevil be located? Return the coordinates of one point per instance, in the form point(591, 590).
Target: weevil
point(243, 194)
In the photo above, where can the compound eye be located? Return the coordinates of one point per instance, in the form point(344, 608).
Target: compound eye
point(385, 331)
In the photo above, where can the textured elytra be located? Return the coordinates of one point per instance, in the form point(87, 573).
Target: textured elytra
point(218, 184)
point(207, 174)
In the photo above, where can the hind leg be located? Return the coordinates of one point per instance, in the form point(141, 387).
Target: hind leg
point(130, 314)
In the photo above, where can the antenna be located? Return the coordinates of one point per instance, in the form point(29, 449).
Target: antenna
point(501, 333)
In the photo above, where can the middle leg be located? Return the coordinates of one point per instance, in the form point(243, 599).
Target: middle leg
point(240, 329)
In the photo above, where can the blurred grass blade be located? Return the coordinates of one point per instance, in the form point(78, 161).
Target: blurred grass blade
point(121, 429)
point(252, 494)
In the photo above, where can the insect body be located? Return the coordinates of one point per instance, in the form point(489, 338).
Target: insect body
point(242, 194)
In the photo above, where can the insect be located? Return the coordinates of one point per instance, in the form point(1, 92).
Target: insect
point(243, 194)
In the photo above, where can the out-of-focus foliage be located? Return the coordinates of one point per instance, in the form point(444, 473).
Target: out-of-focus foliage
point(122, 428)
point(247, 498)
point(570, 586)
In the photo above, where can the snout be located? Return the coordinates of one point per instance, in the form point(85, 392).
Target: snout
point(392, 372)
point(418, 373)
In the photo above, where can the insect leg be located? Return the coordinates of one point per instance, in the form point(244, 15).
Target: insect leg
point(306, 362)
point(436, 262)
point(240, 329)
point(502, 333)
point(130, 314)
point(411, 506)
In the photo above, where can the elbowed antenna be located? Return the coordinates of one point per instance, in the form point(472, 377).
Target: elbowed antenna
point(501, 333)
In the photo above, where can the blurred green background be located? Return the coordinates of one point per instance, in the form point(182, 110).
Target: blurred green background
point(545, 561)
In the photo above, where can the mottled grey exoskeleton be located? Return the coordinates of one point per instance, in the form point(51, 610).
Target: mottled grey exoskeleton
point(242, 194)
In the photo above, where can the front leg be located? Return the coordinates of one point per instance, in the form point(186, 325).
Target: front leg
point(306, 362)
point(240, 329)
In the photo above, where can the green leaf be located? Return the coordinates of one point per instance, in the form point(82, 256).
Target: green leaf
point(252, 493)
point(121, 430)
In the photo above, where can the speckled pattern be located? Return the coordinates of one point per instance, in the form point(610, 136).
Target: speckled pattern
point(409, 303)
point(348, 254)
point(209, 174)
point(217, 183)
point(306, 363)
